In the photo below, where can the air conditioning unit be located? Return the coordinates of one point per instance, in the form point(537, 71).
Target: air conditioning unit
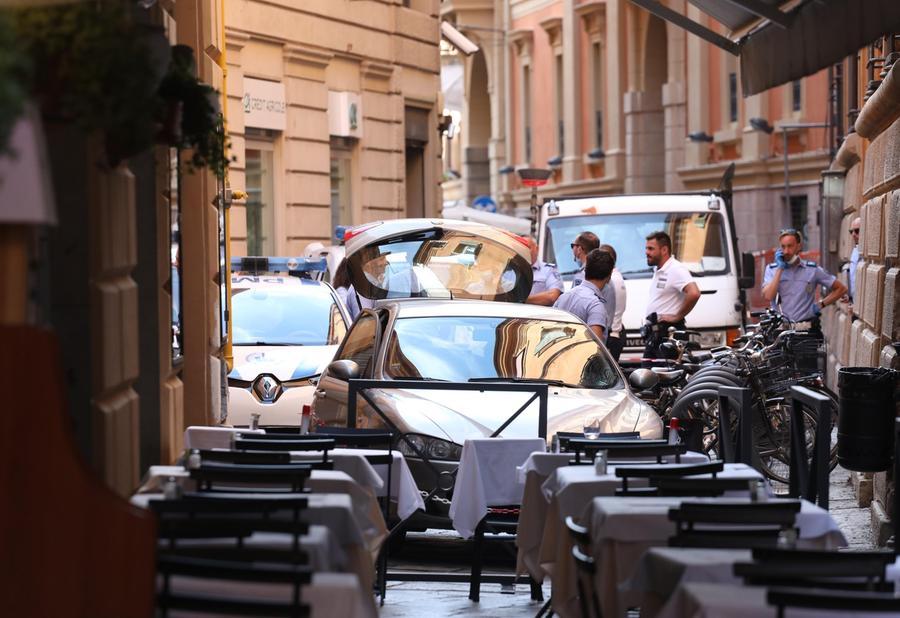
point(344, 114)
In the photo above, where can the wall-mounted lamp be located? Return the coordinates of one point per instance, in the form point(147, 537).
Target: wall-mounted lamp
point(761, 124)
point(555, 162)
point(534, 177)
point(700, 136)
point(596, 154)
point(506, 169)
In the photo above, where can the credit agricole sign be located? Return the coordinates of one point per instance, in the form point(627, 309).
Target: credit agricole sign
point(264, 104)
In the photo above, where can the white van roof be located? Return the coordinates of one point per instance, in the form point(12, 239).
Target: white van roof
point(617, 204)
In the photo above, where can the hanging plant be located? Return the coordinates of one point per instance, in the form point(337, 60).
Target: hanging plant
point(15, 77)
point(190, 115)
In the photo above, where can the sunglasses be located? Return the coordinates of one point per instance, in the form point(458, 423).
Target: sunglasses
point(856, 231)
point(574, 244)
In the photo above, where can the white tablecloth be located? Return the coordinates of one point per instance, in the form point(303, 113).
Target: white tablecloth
point(545, 463)
point(487, 477)
point(203, 437)
point(623, 528)
point(700, 600)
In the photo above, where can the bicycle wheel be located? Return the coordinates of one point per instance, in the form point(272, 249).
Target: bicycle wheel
point(702, 404)
point(772, 438)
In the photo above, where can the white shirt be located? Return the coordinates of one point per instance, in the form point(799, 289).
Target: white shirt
point(667, 288)
point(617, 283)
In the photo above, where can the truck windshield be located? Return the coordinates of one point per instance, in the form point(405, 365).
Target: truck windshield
point(698, 240)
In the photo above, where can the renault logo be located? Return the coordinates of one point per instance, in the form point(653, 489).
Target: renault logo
point(267, 388)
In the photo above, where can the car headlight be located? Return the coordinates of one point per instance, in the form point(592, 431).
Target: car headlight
point(711, 338)
point(308, 380)
point(434, 448)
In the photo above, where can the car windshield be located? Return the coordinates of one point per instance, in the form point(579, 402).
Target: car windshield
point(460, 349)
point(698, 240)
point(292, 315)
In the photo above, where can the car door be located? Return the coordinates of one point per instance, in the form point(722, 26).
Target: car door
point(360, 346)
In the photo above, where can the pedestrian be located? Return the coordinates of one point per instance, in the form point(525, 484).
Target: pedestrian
point(344, 289)
point(584, 301)
point(673, 293)
point(854, 256)
point(616, 339)
point(547, 284)
point(584, 244)
point(791, 282)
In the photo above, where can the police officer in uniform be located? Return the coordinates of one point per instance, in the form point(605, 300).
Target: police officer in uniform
point(547, 285)
point(791, 282)
point(585, 301)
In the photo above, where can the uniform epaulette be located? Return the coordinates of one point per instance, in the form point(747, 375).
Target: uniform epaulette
point(772, 265)
point(810, 263)
point(551, 264)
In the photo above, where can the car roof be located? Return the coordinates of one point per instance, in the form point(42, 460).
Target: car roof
point(429, 307)
point(618, 204)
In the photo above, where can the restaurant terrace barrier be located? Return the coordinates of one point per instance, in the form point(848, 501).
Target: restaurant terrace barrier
point(809, 480)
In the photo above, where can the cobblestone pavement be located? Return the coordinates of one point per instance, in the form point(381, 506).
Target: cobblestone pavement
point(438, 550)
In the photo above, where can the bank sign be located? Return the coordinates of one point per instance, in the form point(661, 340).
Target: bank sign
point(264, 104)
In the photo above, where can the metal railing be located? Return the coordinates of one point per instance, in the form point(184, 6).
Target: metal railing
point(809, 480)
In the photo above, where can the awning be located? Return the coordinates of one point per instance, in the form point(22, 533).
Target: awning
point(780, 41)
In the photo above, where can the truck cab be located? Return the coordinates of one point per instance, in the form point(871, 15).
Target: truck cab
point(702, 230)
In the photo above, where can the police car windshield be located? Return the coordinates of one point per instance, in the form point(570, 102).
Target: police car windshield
point(459, 349)
point(698, 240)
point(289, 315)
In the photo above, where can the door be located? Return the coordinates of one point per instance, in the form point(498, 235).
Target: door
point(360, 346)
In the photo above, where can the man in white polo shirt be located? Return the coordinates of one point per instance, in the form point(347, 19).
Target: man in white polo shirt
point(673, 292)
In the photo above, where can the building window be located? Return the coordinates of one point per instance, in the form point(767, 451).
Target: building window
point(260, 187)
point(732, 97)
point(597, 54)
point(561, 138)
point(796, 95)
point(341, 182)
point(526, 114)
point(799, 214)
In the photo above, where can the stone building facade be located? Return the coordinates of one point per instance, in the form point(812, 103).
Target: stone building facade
point(870, 164)
point(333, 117)
point(607, 95)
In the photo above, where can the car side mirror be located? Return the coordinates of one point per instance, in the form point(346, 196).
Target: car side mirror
point(748, 272)
point(343, 370)
point(643, 379)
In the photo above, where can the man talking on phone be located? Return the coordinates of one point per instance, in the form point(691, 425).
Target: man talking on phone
point(791, 282)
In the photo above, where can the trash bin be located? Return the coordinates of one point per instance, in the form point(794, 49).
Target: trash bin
point(866, 421)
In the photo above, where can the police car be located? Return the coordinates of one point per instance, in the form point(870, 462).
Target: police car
point(285, 329)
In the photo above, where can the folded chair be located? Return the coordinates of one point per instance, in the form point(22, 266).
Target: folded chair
point(732, 524)
point(588, 600)
point(846, 570)
point(833, 600)
point(674, 470)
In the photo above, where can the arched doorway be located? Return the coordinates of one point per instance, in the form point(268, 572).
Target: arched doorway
point(477, 131)
point(645, 166)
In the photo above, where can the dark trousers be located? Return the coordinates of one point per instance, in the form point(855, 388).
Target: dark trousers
point(660, 334)
point(615, 343)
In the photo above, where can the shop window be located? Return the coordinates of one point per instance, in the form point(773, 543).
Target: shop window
point(260, 207)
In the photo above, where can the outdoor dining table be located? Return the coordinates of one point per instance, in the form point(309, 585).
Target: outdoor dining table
point(535, 504)
point(487, 477)
point(715, 600)
point(623, 528)
point(206, 437)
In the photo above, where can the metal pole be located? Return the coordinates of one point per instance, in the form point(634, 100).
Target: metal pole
point(787, 179)
point(534, 214)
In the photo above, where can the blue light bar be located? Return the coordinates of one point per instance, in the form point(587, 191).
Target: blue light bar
point(339, 232)
point(255, 264)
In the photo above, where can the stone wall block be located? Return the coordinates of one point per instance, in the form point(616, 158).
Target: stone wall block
point(116, 439)
point(889, 358)
point(890, 318)
point(841, 342)
point(855, 335)
point(859, 296)
point(863, 211)
point(874, 292)
point(874, 213)
point(892, 225)
point(868, 350)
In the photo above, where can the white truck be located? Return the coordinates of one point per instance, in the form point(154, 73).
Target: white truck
point(701, 226)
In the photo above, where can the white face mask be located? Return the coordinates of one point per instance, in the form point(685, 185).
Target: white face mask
point(794, 259)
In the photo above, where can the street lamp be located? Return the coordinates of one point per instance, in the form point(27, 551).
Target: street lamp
point(534, 177)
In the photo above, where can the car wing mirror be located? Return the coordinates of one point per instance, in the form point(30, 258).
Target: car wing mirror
point(343, 370)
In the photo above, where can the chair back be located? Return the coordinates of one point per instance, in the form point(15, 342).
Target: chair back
point(588, 600)
point(265, 458)
point(822, 568)
point(661, 471)
point(732, 524)
point(626, 449)
point(565, 436)
point(833, 600)
point(675, 486)
point(254, 476)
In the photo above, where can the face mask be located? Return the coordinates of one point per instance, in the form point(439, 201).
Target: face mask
point(794, 260)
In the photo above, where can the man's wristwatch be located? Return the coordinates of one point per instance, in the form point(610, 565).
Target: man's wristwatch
point(822, 303)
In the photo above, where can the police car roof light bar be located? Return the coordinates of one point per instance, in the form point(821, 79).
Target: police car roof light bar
point(292, 265)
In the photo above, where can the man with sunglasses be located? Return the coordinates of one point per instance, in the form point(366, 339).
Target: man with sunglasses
point(791, 282)
point(584, 244)
point(854, 255)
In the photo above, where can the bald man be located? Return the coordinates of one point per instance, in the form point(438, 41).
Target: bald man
point(854, 256)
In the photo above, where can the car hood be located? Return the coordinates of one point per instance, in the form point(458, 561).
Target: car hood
point(284, 362)
point(456, 416)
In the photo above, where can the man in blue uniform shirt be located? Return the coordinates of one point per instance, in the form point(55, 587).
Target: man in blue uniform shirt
point(547, 285)
point(791, 282)
point(585, 301)
point(854, 255)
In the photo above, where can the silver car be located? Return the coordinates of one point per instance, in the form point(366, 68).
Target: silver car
point(439, 315)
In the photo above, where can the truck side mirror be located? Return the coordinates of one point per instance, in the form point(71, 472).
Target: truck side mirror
point(747, 279)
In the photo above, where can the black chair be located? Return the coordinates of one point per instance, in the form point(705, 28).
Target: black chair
point(675, 470)
point(805, 568)
point(732, 524)
point(169, 566)
point(268, 444)
point(260, 458)
point(565, 436)
point(667, 486)
point(223, 476)
point(586, 569)
point(832, 600)
point(625, 449)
